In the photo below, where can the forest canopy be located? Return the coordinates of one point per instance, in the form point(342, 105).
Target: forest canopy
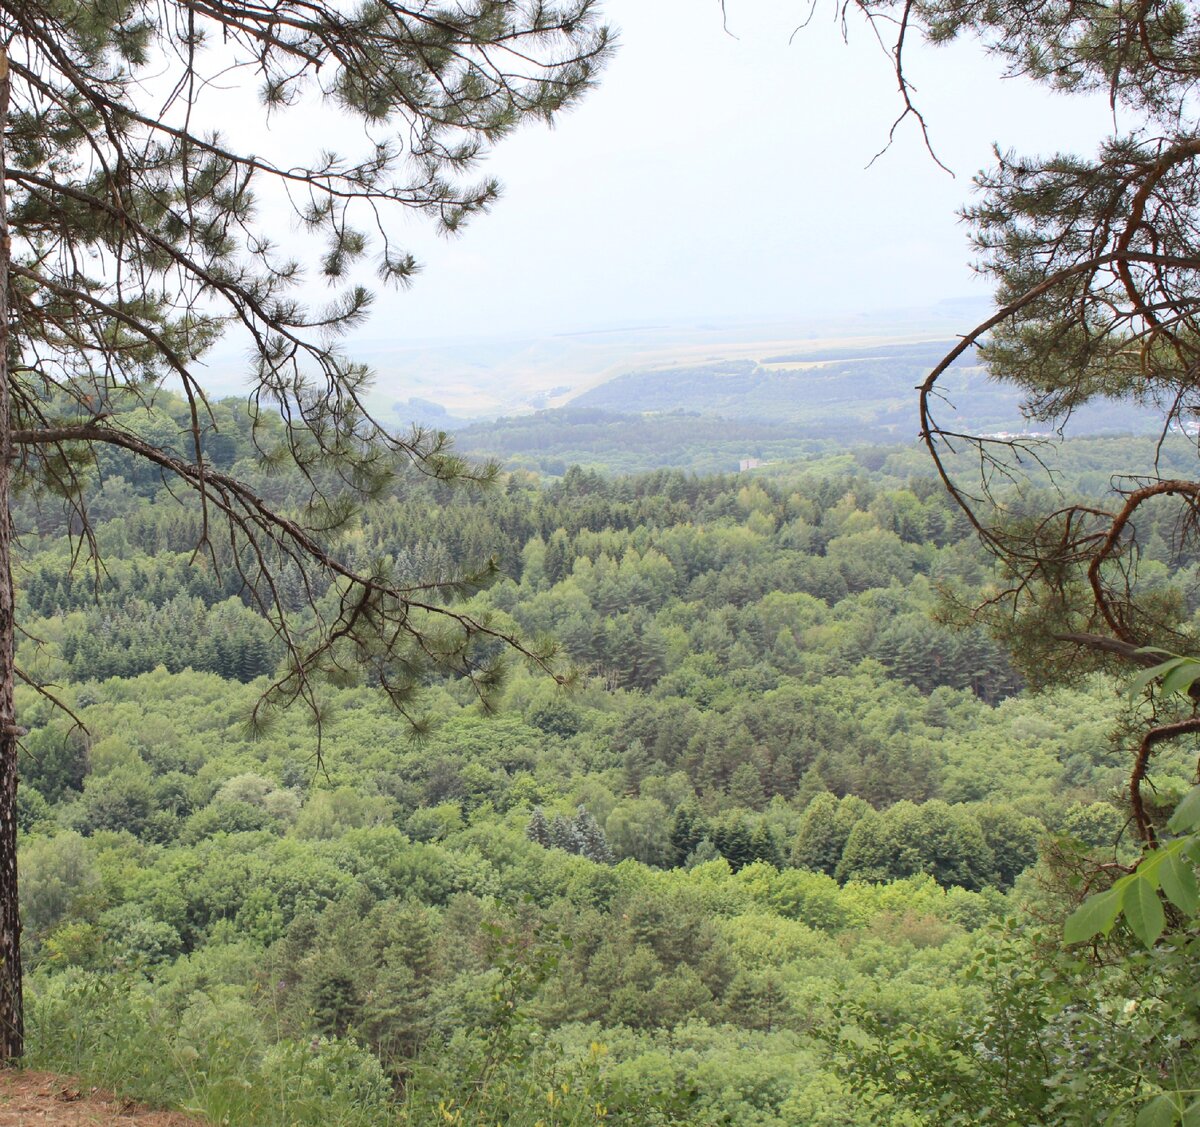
point(793, 851)
point(778, 827)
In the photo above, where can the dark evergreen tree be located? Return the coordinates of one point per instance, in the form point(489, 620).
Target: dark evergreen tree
point(558, 557)
point(592, 843)
point(564, 834)
point(824, 830)
point(538, 829)
point(818, 845)
point(758, 1000)
point(732, 838)
point(688, 827)
point(764, 847)
point(635, 766)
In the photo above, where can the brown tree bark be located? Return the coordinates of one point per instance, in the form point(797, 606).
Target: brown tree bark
point(12, 1027)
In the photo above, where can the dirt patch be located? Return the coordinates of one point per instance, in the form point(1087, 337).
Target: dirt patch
point(41, 1099)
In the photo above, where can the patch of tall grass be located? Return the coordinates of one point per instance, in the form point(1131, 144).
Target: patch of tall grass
point(212, 1060)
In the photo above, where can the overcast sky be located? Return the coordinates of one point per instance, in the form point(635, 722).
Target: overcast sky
point(716, 174)
point(719, 174)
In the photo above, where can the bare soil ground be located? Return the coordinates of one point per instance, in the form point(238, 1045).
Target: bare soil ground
point(42, 1099)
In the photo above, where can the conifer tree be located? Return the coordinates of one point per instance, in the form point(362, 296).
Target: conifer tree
point(688, 828)
point(557, 556)
point(592, 843)
point(732, 838)
point(538, 829)
point(745, 787)
point(128, 245)
point(818, 846)
point(564, 834)
point(764, 847)
point(824, 829)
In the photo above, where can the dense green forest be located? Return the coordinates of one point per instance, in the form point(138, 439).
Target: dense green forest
point(550, 442)
point(789, 851)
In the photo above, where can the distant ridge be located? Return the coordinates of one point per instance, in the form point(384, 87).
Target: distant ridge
point(868, 391)
point(918, 350)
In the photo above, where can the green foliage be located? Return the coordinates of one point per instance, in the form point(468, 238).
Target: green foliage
point(824, 831)
point(211, 1058)
point(1175, 675)
point(1135, 896)
point(397, 905)
point(816, 796)
point(271, 929)
point(990, 1067)
point(638, 828)
point(905, 839)
point(59, 881)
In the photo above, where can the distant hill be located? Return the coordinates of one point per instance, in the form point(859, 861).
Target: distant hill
point(715, 416)
point(866, 393)
point(924, 352)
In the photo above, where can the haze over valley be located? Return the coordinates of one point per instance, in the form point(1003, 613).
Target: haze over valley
point(707, 395)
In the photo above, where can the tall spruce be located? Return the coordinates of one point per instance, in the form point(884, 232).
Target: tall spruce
point(537, 829)
point(129, 244)
point(688, 828)
point(593, 844)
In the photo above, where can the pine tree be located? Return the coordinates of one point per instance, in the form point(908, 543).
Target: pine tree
point(764, 847)
point(635, 766)
point(688, 828)
point(818, 845)
point(745, 787)
point(757, 1000)
point(538, 829)
point(161, 209)
point(564, 834)
point(732, 838)
point(557, 559)
point(1096, 263)
point(592, 843)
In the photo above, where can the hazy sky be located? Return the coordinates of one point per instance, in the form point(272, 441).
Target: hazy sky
point(719, 176)
point(715, 174)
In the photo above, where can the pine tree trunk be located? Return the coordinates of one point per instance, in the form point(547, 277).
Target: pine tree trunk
point(12, 1025)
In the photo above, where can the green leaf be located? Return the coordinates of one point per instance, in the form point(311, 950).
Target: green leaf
point(1187, 813)
point(1139, 683)
point(1162, 1111)
point(1143, 909)
point(1179, 883)
point(1095, 915)
point(1181, 678)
